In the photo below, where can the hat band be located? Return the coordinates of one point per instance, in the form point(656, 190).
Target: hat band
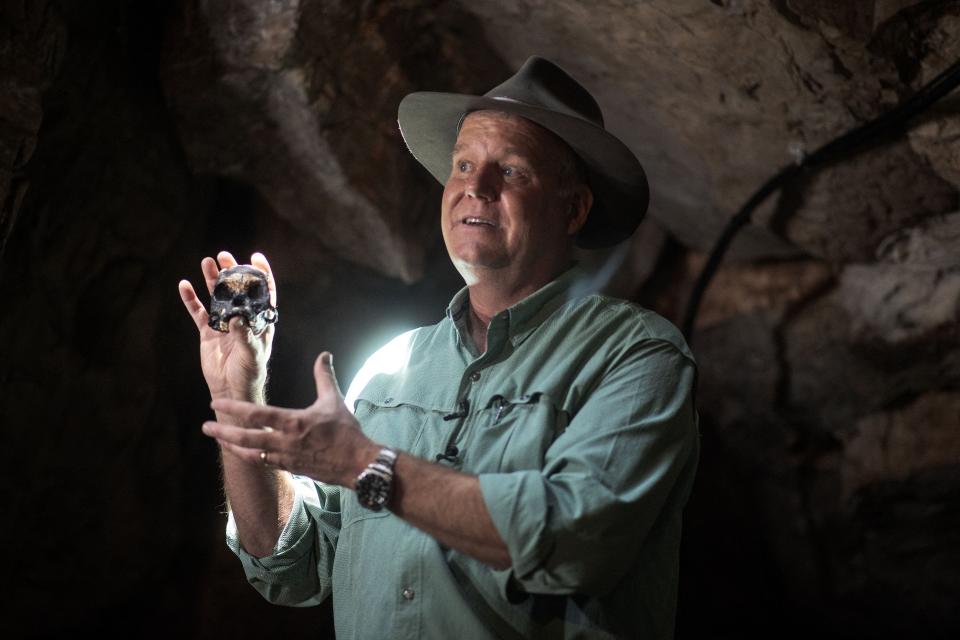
point(514, 100)
point(503, 99)
point(464, 115)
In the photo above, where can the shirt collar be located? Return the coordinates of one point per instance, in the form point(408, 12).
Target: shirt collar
point(524, 317)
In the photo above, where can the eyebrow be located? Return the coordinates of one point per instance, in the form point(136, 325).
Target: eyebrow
point(513, 151)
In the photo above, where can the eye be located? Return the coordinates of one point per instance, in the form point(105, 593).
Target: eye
point(463, 165)
point(222, 292)
point(255, 291)
point(514, 172)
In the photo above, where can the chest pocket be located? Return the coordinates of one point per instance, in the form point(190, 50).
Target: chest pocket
point(513, 433)
point(393, 422)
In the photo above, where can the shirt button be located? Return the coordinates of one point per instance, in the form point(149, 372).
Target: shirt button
point(407, 593)
point(474, 376)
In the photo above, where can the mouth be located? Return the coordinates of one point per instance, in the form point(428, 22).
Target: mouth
point(473, 221)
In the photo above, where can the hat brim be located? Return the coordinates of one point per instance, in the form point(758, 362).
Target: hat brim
point(429, 123)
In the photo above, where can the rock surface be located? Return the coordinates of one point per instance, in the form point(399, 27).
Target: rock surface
point(33, 45)
point(299, 99)
point(785, 80)
point(913, 295)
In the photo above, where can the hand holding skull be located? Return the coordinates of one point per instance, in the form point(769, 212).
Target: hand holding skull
point(234, 362)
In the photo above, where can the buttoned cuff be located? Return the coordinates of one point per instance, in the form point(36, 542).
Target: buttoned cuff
point(295, 541)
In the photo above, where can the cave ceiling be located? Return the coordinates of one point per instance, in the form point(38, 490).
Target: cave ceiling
point(299, 98)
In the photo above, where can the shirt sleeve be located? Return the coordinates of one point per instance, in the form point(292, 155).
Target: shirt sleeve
point(298, 571)
point(624, 463)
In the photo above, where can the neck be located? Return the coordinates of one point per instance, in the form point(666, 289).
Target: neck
point(490, 295)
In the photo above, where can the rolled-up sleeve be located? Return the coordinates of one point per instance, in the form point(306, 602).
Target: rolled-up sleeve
point(624, 463)
point(298, 571)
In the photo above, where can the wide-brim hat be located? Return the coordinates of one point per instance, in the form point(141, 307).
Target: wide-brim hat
point(547, 95)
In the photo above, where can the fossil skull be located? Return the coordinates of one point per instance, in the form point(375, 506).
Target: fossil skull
point(242, 291)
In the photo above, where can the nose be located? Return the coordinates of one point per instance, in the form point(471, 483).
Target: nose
point(483, 183)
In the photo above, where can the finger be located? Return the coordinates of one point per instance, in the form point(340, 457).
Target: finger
point(260, 262)
point(240, 328)
point(271, 459)
point(248, 455)
point(193, 304)
point(325, 377)
point(256, 415)
point(210, 272)
point(248, 438)
point(226, 260)
point(238, 325)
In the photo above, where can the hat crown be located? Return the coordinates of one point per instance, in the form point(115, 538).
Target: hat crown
point(541, 83)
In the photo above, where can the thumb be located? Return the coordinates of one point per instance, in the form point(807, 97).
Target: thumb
point(325, 377)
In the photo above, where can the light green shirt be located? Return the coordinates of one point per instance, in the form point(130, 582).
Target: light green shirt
point(579, 421)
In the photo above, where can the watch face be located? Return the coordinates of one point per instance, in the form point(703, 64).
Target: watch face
point(373, 489)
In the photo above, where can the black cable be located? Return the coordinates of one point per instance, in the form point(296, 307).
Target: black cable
point(840, 147)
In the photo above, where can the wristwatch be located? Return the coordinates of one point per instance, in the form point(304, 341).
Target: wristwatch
point(374, 483)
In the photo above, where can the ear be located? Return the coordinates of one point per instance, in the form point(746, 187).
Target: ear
point(581, 201)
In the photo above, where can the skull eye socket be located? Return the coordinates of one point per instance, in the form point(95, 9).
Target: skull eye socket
point(255, 291)
point(221, 292)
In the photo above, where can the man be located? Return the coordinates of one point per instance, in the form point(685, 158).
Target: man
point(517, 470)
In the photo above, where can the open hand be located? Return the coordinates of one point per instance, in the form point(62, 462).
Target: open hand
point(322, 441)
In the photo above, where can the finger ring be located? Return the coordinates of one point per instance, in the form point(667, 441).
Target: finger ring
point(263, 458)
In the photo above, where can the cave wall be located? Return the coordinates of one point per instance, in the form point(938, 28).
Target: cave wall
point(137, 137)
point(113, 510)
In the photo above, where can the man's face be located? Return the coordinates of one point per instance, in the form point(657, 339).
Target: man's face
point(503, 207)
